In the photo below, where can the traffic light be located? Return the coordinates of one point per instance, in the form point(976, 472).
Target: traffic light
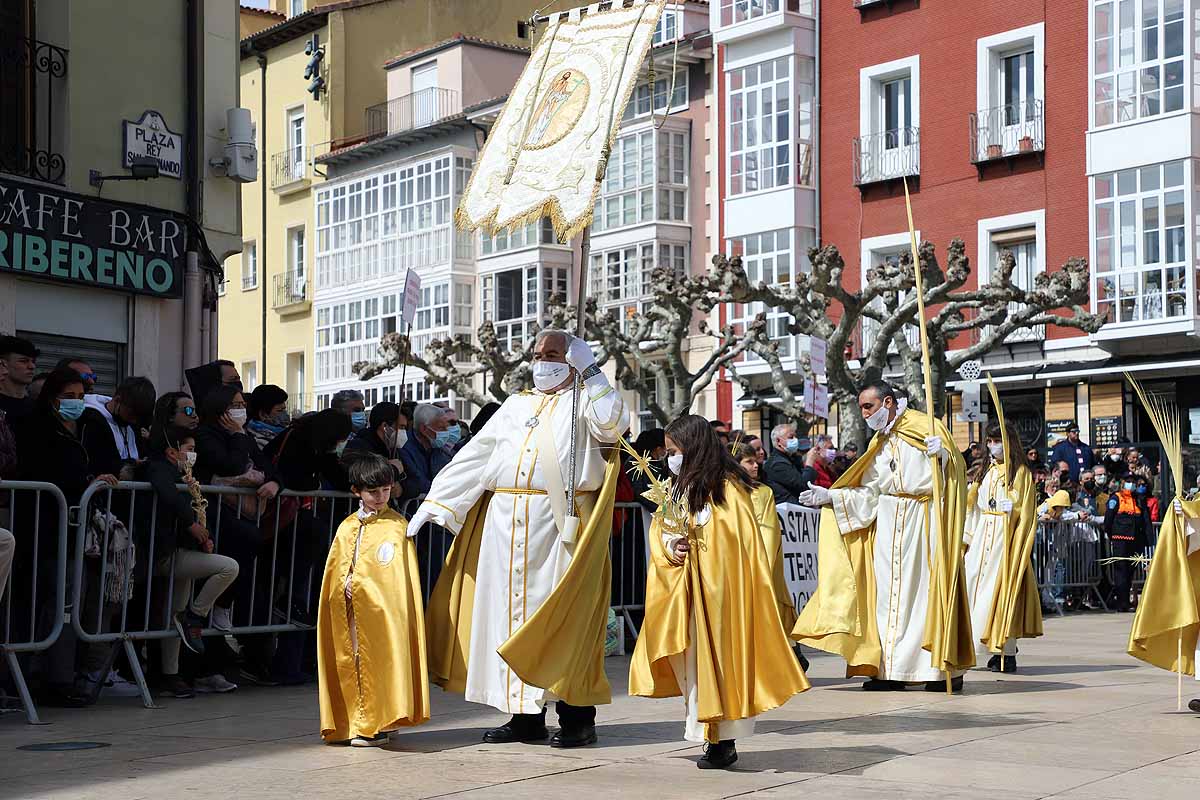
point(316, 54)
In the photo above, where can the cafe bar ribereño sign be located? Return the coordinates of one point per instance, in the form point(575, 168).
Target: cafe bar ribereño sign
point(60, 236)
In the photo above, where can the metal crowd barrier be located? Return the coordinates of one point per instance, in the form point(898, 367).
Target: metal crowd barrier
point(21, 513)
point(1070, 555)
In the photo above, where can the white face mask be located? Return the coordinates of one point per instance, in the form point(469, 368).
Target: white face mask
point(996, 449)
point(549, 375)
point(399, 439)
point(238, 415)
point(190, 458)
point(675, 463)
point(879, 420)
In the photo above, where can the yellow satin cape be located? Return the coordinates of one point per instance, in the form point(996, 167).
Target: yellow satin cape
point(560, 648)
point(744, 661)
point(772, 536)
point(387, 688)
point(840, 616)
point(1167, 622)
point(1016, 611)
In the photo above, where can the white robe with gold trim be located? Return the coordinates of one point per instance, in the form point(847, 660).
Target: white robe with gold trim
point(984, 535)
point(521, 558)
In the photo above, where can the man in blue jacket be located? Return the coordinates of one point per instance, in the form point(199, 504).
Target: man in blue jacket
point(1076, 453)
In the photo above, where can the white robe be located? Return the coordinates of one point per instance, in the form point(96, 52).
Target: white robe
point(889, 496)
point(985, 534)
point(521, 558)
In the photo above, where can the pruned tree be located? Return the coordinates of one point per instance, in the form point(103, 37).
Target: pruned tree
point(963, 323)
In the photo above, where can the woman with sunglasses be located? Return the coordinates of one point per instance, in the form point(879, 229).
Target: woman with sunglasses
point(176, 410)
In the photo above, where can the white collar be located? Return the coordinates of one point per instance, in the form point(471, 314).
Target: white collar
point(901, 407)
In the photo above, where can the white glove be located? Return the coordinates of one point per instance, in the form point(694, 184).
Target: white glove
point(579, 354)
point(815, 497)
point(416, 522)
point(933, 446)
point(1178, 506)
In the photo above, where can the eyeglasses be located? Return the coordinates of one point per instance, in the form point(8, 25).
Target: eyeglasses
point(89, 376)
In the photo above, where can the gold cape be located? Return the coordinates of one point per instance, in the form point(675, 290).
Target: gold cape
point(744, 661)
point(1167, 621)
point(387, 688)
point(840, 616)
point(560, 648)
point(772, 536)
point(1016, 611)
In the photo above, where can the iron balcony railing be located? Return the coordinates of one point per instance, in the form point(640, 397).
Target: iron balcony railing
point(289, 166)
point(887, 155)
point(1008, 130)
point(290, 288)
point(33, 78)
point(411, 111)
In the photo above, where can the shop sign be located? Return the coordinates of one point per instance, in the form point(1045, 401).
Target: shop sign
point(150, 137)
point(71, 238)
point(1056, 430)
point(1106, 431)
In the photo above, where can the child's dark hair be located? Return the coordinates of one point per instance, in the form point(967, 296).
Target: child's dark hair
point(169, 436)
point(368, 470)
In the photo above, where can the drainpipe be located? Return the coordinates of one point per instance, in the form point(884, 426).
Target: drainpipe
point(262, 237)
point(193, 279)
point(194, 319)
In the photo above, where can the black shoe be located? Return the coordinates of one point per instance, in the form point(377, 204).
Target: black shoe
point(1008, 665)
point(1195, 705)
point(519, 729)
point(175, 686)
point(800, 657)
point(257, 675)
point(721, 755)
point(574, 737)
point(876, 685)
point(190, 627)
point(940, 686)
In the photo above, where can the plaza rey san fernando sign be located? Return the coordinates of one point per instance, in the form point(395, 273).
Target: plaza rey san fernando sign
point(70, 238)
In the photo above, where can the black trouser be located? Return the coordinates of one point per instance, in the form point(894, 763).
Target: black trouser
point(1122, 573)
point(569, 717)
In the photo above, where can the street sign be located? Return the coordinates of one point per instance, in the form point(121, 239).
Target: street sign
point(819, 347)
point(412, 297)
point(970, 411)
point(150, 137)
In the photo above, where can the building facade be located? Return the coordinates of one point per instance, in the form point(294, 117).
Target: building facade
point(93, 263)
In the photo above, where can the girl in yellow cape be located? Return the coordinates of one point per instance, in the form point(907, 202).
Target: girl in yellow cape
point(1001, 522)
point(712, 632)
point(370, 626)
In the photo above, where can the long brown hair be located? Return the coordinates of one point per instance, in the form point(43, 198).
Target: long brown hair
point(707, 464)
point(1017, 457)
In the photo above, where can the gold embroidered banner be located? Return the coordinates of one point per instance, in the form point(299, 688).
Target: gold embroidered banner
point(543, 156)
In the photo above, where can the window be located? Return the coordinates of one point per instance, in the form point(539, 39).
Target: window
point(1137, 59)
point(1017, 87)
point(889, 121)
point(896, 97)
point(425, 95)
point(1140, 241)
point(670, 26)
point(296, 255)
point(295, 143)
point(647, 98)
point(433, 310)
point(735, 11)
point(664, 391)
point(464, 305)
point(249, 372)
point(760, 123)
point(1009, 94)
point(876, 252)
point(250, 265)
point(524, 236)
point(770, 258)
point(295, 7)
point(647, 180)
point(1023, 235)
point(513, 300)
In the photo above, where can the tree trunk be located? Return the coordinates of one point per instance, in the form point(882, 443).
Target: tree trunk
point(852, 427)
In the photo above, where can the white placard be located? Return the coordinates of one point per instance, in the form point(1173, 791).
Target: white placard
point(809, 393)
point(819, 348)
point(821, 401)
point(149, 137)
point(412, 297)
point(799, 527)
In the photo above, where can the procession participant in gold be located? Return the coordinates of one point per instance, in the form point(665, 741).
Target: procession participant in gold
point(998, 537)
point(370, 629)
point(772, 536)
point(517, 618)
point(712, 633)
point(886, 599)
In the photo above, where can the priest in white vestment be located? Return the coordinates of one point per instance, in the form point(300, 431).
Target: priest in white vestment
point(519, 466)
point(883, 508)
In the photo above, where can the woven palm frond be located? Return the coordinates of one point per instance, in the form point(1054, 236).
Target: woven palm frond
point(1164, 415)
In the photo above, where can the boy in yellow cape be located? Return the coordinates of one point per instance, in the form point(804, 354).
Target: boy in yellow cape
point(370, 627)
point(890, 596)
point(712, 633)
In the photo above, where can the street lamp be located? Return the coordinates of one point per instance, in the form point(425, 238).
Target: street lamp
point(141, 168)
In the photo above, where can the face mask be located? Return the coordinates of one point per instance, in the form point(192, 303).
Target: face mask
point(1089, 486)
point(996, 449)
point(675, 463)
point(1101, 480)
point(70, 408)
point(1127, 487)
point(442, 439)
point(341, 448)
point(830, 455)
point(455, 432)
point(190, 458)
point(281, 420)
point(358, 420)
point(792, 445)
point(1141, 490)
point(879, 420)
point(400, 439)
point(548, 375)
point(238, 415)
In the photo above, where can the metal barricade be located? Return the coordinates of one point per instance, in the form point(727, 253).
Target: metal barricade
point(629, 552)
point(285, 567)
point(21, 512)
point(1067, 555)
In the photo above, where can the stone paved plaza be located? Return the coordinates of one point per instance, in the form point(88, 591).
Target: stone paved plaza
point(1082, 721)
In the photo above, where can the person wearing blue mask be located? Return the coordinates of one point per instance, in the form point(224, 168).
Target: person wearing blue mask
point(457, 435)
point(782, 470)
point(350, 401)
point(427, 450)
point(268, 415)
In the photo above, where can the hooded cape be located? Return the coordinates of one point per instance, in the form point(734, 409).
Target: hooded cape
point(1016, 611)
point(772, 536)
point(745, 664)
point(387, 688)
point(840, 616)
point(1167, 621)
point(560, 648)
